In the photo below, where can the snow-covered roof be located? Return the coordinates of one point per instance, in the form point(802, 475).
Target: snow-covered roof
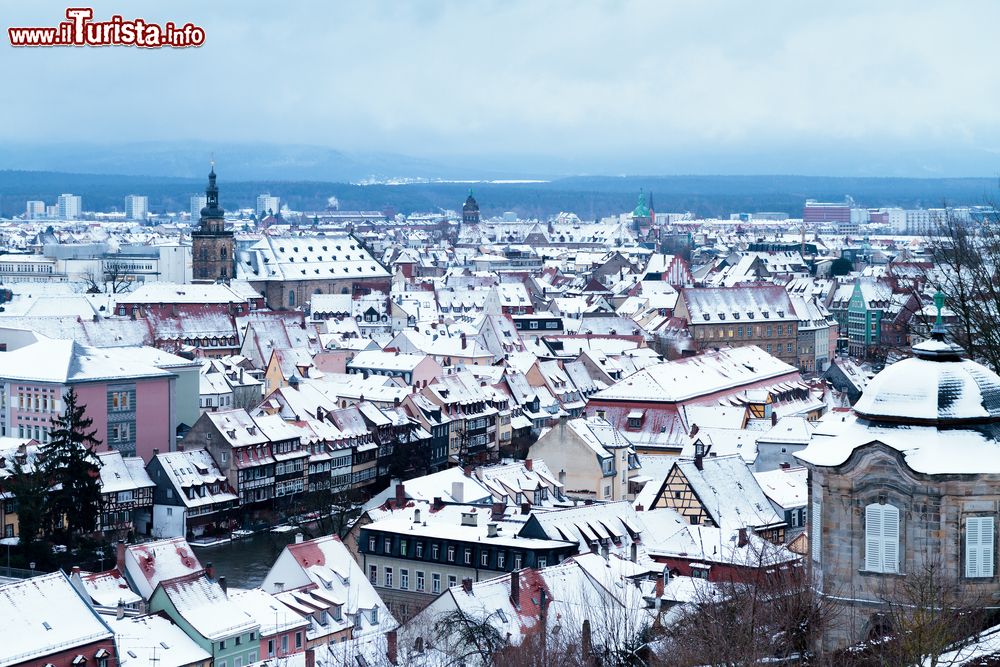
point(683, 379)
point(44, 615)
point(154, 641)
point(729, 492)
point(206, 607)
point(66, 361)
point(786, 487)
point(148, 564)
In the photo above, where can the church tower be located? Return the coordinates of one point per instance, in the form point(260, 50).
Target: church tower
point(212, 245)
point(470, 211)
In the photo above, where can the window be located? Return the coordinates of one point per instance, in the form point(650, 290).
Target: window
point(434, 552)
point(373, 574)
point(881, 538)
point(452, 580)
point(270, 648)
point(404, 579)
point(420, 580)
point(451, 554)
point(420, 549)
point(239, 639)
point(484, 559)
point(371, 544)
point(979, 546)
point(284, 644)
point(517, 561)
point(435, 582)
point(388, 577)
point(388, 545)
point(468, 556)
point(298, 639)
point(542, 562)
point(222, 645)
point(501, 558)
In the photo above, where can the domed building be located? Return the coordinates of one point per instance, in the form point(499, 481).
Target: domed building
point(907, 481)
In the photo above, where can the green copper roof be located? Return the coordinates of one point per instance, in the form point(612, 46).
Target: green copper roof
point(641, 210)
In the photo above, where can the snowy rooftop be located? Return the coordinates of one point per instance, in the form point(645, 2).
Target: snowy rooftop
point(154, 641)
point(44, 615)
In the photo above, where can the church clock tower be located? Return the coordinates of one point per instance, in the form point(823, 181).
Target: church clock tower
point(212, 245)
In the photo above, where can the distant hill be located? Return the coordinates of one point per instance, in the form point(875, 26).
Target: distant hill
point(589, 196)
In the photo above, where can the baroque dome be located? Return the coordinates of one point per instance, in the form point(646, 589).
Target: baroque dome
point(935, 387)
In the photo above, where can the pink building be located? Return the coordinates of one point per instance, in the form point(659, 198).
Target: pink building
point(132, 404)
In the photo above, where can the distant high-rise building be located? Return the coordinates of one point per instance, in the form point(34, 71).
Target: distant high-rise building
point(69, 206)
point(266, 204)
point(839, 213)
point(197, 203)
point(34, 210)
point(136, 207)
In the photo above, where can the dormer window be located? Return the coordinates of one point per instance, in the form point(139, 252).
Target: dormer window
point(635, 417)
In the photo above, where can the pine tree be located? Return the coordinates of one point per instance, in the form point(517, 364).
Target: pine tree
point(69, 463)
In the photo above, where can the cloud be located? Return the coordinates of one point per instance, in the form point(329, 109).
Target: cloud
point(545, 78)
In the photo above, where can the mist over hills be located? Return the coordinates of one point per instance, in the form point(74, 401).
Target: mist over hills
point(305, 176)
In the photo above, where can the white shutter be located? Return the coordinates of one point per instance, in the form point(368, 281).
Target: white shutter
point(986, 546)
point(890, 538)
point(979, 546)
point(815, 529)
point(873, 538)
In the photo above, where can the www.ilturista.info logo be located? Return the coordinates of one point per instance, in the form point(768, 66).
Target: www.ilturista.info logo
point(80, 30)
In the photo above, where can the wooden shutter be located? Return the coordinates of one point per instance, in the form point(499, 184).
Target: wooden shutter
point(873, 538)
point(890, 538)
point(979, 535)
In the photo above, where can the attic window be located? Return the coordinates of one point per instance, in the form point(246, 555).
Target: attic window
point(706, 316)
point(736, 316)
point(722, 316)
point(635, 418)
point(766, 315)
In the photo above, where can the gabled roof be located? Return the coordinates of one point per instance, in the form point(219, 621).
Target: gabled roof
point(45, 615)
point(729, 492)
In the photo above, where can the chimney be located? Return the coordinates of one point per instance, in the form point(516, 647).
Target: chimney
point(458, 491)
point(311, 655)
point(298, 538)
point(499, 509)
point(400, 495)
point(120, 556)
point(525, 508)
point(774, 418)
point(391, 649)
point(491, 530)
point(639, 508)
point(527, 464)
point(467, 585)
point(464, 341)
point(543, 604)
point(585, 642)
point(416, 515)
point(120, 614)
point(438, 504)
point(279, 587)
point(515, 588)
point(209, 570)
point(467, 471)
point(633, 553)
point(224, 586)
point(694, 430)
point(658, 589)
point(744, 538)
point(785, 465)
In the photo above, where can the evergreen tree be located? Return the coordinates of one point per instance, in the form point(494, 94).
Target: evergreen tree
point(30, 491)
point(69, 463)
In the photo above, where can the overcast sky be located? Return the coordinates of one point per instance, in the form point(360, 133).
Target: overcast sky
point(662, 86)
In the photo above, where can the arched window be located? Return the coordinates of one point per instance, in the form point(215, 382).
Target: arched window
point(222, 252)
point(882, 538)
point(291, 297)
point(204, 253)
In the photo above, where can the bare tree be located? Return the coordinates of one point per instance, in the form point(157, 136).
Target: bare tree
point(925, 620)
point(966, 262)
point(769, 612)
point(110, 279)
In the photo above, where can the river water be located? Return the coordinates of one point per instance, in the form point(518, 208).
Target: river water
point(245, 562)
